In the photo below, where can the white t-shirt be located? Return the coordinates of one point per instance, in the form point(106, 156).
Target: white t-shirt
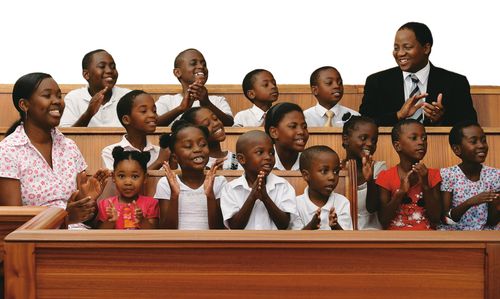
point(316, 115)
point(279, 165)
point(236, 192)
point(367, 220)
point(231, 163)
point(252, 117)
point(168, 102)
point(306, 209)
point(77, 102)
point(193, 210)
point(107, 152)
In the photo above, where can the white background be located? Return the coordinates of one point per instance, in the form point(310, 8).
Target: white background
point(290, 38)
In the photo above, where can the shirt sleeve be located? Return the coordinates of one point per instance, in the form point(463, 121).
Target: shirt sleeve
point(162, 105)
point(286, 200)
point(221, 103)
point(297, 223)
point(71, 113)
point(107, 157)
point(383, 180)
point(446, 183)
point(228, 203)
point(434, 177)
point(162, 189)
point(238, 120)
point(219, 184)
point(9, 166)
point(344, 213)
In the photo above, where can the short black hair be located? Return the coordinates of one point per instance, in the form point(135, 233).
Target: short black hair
point(190, 114)
point(165, 140)
point(124, 106)
point(310, 153)
point(313, 80)
point(422, 32)
point(350, 125)
point(88, 57)
point(457, 133)
point(249, 80)
point(276, 113)
point(396, 130)
point(120, 154)
point(180, 125)
point(178, 58)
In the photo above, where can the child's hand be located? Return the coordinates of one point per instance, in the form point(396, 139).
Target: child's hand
point(315, 222)
point(332, 218)
point(139, 216)
point(96, 101)
point(187, 100)
point(421, 170)
point(208, 184)
point(175, 189)
point(367, 167)
point(484, 197)
point(111, 212)
point(256, 187)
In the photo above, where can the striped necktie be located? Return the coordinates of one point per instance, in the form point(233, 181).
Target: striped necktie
point(419, 114)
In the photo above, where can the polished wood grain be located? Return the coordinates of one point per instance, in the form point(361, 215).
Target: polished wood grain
point(486, 99)
point(249, 264)
point(493, 270)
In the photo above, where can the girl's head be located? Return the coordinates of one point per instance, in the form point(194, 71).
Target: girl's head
point(286, 125)
point(359, 137)
point(189, 146)
point(202, 116)
point(37, 98)
point(468, 142)
point(137, 110)
point(129, 171)
point(409, 139)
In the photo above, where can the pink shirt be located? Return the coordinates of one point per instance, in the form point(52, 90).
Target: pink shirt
point(126, 212)
point(41, 185)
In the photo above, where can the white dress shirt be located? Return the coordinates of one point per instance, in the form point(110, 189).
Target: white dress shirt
point(77, 101)
point(316, 115)
point(107, 152)
point(252, 117)
point(279, 165)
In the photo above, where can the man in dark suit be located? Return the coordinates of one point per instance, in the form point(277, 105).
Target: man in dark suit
point(416, 88)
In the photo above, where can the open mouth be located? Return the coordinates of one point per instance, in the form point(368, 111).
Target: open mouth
point(199, 160)
point(55, 113)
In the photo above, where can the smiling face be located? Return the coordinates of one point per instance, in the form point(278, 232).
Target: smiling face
point(330, 88)
point(101, 71)
point(291, 132)
point(362, 141)
point(410, 55)
point(205, 117)
point(129, 178)
point(323, 174)
point(46, 106)
point(412, 142)
point(474, 147)
point(192, 67)
point(191, 149)
point(143, 115)
point(257, 155)
point(264, 88)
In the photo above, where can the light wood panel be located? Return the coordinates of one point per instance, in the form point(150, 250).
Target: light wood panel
point(92, 140)
point(486, 98)
point(246, 264)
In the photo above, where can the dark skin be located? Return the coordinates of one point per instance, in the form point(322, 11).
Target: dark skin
point(192, 73)
point(472, 151)
point(411, 148)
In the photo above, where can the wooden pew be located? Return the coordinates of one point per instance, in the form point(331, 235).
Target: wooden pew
point(92, 140)
point(249, 264)
point(346, 185)
point(486, 98)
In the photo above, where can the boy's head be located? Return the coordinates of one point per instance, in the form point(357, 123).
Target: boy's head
point(360, 136)
point(412, 46)
point(468, 141)
point(137, 110)
point(320, 167)
point(190, 66)
point(259, 86)
point(326, 86)
point(99, 69)
point(255, 152)
point(409, 139)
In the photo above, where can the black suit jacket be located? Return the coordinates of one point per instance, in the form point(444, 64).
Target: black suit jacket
point(384, 95)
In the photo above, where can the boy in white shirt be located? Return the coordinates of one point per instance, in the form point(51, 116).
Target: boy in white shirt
point(258, 200)
point(95, 104)
point(190, 68)
point(327, 87)
point(320, 207)
point(260, 88)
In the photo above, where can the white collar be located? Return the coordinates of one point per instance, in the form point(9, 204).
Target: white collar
point(311, 207)
point(279, 165)
point(127, 145)
point(322, 110)
point(259, 113)
point(422, 74)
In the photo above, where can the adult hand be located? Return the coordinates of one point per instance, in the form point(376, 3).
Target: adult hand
point(80, 209)
point(410, 106)
point(435, 111)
